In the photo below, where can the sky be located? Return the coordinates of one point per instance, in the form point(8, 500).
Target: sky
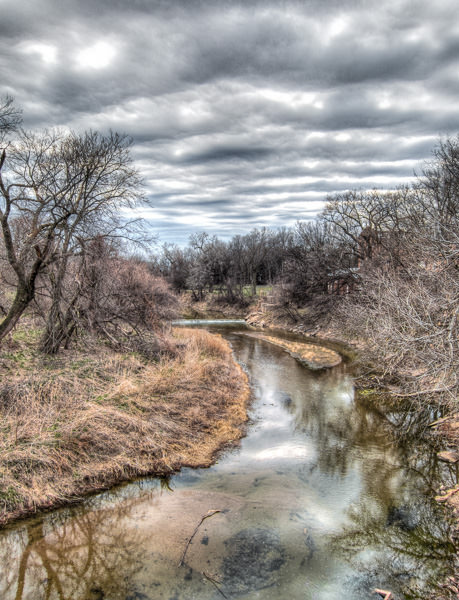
point(243, 113)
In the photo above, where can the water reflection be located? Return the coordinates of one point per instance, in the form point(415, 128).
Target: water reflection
point(73, 554)
point(318, 503)
point(398, 547)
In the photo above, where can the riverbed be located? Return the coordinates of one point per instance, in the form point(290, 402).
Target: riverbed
point(318, 502)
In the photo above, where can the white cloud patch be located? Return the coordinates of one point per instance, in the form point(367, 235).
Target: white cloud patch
point(95, 56)
point(46, 52)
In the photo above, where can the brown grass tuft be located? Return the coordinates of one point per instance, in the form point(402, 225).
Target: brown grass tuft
point(73, 426)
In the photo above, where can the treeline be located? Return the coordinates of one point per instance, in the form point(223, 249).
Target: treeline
point(62, 237)
point(230, 270)
point(380, 267)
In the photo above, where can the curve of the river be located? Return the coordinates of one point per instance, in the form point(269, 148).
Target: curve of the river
point(317, 503)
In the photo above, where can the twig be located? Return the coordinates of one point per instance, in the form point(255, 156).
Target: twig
point(421, 392)
point(209, 514)
point(384, 593)
point(214, 582)
point(444, 420)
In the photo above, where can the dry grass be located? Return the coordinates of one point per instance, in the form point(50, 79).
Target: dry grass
point(89, 420)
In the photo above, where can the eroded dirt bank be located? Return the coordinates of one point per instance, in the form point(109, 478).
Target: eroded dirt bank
point(314, 357)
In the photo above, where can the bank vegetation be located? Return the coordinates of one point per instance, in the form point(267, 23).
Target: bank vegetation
point(94, 417)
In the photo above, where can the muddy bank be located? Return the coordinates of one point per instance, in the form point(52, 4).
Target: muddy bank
point(84, 422)
point(328, 335)
point(312, 356)
point(211, 309)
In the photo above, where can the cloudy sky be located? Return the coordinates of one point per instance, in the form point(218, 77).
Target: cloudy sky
point(243, 113)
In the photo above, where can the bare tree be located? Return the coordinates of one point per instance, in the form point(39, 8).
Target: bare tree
point(439, 185)
point(256, 250)
point(62, 188)
point(10, 117)
point(406, 309)
point(373, 223)
point(175, 264)
point(109, 295)
point(120, 298)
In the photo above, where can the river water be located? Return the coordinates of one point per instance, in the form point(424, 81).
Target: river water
point(319, 502)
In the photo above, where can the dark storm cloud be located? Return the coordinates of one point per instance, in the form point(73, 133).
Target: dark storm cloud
point(242, 113)
point(225, 153)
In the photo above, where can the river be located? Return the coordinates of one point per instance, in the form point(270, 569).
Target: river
point(318, 502)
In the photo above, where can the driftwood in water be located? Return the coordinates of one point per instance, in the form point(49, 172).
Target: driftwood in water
point(214, 582)
point(209, 514)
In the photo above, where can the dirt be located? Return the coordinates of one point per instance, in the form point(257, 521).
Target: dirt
point(254, 556)
point(312, 356)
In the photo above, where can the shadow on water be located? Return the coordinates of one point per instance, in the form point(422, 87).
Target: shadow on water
point(320, 502)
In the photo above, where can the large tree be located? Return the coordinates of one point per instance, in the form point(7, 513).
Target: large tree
point(57, 190)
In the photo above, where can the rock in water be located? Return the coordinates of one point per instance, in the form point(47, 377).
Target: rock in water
point(254, 557)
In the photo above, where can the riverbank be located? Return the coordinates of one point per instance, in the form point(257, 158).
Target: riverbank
point(90, 418)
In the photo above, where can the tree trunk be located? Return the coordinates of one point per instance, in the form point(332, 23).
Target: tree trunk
point(254, 285)
point(58, 332)
point(56, 322)
point(54, 333)
point(24, 296)
point(59, 327)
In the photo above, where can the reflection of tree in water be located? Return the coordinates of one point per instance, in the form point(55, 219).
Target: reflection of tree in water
point(411, 545)
point(344, 428)
point(409, 425)
point(399, 463)
point(394, 442)
point(85, 555)
point(341, 427)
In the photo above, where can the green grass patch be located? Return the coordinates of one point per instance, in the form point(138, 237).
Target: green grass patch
point(29, 336)
point(9, 497)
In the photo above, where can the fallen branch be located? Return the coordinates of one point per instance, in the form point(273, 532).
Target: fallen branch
point(214, 582)
point(444, 420)
point(384, 593)
point(209, 514)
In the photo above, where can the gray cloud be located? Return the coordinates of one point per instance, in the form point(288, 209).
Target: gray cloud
point(242, 113)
